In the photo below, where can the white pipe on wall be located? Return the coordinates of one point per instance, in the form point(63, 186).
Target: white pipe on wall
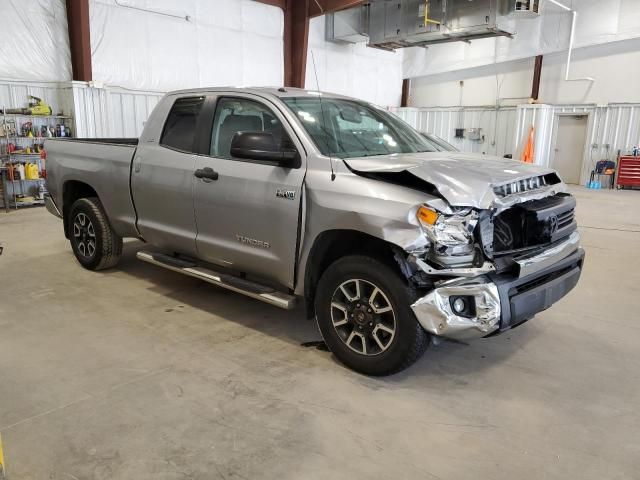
point(148, 10)
point(574, 15)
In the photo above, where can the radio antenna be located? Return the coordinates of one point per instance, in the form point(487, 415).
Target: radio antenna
point(315, 72)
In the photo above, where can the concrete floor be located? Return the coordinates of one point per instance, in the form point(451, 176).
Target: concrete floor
point(140, 373)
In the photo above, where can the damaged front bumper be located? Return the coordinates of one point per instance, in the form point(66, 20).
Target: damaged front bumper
point(496, 302)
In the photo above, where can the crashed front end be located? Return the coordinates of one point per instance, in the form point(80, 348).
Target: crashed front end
point(486, 270)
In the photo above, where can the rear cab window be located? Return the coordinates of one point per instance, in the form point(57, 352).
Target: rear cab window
point(180, 128)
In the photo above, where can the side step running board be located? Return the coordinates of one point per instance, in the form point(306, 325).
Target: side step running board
point(239, 285)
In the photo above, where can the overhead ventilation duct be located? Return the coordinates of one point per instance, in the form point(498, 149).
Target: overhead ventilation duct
point(526, 8)
point(347, 26)
point(409, 23)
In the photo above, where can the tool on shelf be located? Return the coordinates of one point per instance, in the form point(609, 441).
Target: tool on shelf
point(39, 107)
point(36, 107)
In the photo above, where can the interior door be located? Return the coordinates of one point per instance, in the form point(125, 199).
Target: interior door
point(569, 151)
point(248, 214)
point(162, 180)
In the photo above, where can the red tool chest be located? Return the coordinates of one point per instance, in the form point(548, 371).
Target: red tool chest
point(628, 171)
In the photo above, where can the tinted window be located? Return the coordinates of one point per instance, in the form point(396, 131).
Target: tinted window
point(348, 128)
point(235, 115)
point(180, 128)
point(439, 144)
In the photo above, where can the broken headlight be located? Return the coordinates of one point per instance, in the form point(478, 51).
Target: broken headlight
point(451, 236)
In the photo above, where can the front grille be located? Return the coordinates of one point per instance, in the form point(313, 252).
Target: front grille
point(565, 219)
point(533, 224)
point(526, 185)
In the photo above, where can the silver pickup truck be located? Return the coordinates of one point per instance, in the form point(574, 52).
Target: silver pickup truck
point(285, 194)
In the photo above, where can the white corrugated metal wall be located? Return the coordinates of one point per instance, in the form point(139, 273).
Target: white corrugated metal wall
point(128, 110)
point(611, 128)
point(96, 112)
point(497, 126)
point(111, 112)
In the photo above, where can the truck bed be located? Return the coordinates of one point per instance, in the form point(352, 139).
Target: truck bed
point(112, 141)
point(102, 163)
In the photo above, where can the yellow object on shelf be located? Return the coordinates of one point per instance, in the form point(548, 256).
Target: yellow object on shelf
point(2, 472)
point(31, 171)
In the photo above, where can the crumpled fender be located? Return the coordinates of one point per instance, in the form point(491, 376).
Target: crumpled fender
point(465, 180)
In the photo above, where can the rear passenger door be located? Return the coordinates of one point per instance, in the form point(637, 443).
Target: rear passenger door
point(248, 214)
point(162, 179)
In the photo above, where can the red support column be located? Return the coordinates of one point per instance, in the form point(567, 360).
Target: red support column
point(296, 32)
point(275, 3)
point(296, 41)
point(537, 74)
point(406, 87)
point(79, 39)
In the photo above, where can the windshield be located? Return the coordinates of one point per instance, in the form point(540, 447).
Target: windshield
point(439, 143)
point(347, 128)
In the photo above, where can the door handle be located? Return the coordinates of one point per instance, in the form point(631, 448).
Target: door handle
point(206, 173)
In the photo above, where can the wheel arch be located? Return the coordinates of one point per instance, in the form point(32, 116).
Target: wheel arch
point(73, 190)
point(331, 245)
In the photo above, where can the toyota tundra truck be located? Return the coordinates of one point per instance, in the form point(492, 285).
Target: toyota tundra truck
point(287, 195)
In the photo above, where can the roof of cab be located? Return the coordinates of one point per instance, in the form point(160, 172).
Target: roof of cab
point(280, 92)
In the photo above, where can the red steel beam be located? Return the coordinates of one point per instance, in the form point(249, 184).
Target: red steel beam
point(537, 74)
point(296, 32)
point(320, 7)
point(296, 41)
point(79, 40)
point(406, 87)
point(275, 3)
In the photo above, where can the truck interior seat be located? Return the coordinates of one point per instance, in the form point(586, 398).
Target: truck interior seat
point(232, 125)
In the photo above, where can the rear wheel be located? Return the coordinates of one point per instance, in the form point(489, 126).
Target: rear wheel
point(363, 312)
point(94, 243)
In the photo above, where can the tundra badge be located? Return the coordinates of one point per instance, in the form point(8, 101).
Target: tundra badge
point(252, 241)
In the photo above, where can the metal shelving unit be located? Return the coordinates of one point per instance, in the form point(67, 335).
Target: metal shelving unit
point(13, 189)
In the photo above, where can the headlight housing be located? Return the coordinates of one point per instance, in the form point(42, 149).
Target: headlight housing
point(451, 236)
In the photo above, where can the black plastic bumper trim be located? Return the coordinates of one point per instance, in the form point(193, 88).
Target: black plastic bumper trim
point(522, 298)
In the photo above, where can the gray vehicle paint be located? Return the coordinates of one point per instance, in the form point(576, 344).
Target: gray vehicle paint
point(241, 221)
point(464, 179)
point(230, 221)
point(103, 166)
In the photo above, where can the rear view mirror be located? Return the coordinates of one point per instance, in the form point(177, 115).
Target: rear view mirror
point(350, 115)
point(262, 146)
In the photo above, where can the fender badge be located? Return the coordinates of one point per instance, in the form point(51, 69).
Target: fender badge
point(288, 194)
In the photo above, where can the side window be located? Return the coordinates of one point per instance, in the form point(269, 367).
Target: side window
point(235, 115)
point(180, 128)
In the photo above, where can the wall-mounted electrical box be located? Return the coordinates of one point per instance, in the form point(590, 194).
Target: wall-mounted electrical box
point(474, 134)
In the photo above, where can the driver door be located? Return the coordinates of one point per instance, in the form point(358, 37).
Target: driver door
point(247, 211)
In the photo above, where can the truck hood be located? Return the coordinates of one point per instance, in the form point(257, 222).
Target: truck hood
point(463, 179)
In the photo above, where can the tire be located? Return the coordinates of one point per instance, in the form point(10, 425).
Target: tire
point(357, 277)
point(94, 243)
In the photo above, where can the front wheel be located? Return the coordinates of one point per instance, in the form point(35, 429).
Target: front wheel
point(94, 243)
point(364, 315)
